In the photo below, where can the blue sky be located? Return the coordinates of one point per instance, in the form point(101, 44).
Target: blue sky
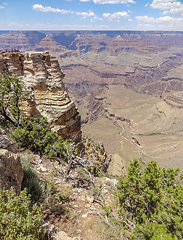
point(91, 15)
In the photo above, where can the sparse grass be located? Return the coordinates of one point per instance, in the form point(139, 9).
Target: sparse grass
point(100, 184)
point(45, 191)
point(54, 197)
point(70, 213)
point(108, 183)
point(95, 191)
point(82, 173)
point(111, 186)
point(89, 223)
point(112, 232)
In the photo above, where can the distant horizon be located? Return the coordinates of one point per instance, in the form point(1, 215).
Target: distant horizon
point(82, 30)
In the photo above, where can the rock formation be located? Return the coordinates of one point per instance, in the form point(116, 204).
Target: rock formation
point(11, 173)
point(41, 75)
point(175, 100)
point(49, 43)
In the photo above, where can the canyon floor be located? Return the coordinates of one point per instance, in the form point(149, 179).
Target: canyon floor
point(137, 126)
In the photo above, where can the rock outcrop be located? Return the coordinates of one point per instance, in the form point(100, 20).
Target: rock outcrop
point(175, 100)
point(41, 75)
point(54, 233)
point(11, 173)
point(50, 44)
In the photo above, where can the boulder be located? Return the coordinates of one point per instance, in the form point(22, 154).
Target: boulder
point(7, 143)
point(11, 172)
point(54, 233)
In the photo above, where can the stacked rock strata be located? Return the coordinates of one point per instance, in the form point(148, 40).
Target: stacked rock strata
point(175, 100)
point(41, 75)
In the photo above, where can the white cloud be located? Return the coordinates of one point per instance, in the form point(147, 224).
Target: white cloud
point(167, 19)
point(145, 18)
point(96, 18)
point(115, 15)
point(169, 6)
point(1, 7)
point(113, 1)
point(84, 0)
point(130, 20)
point(86, 14)
point(146, 4)
point(39, 7)
point(106, 15)
point(5, 3)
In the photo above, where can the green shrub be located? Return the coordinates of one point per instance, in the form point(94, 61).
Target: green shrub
point(101, 151)
point(18, 219)
point(35, 134)
point(151, 231)
point(35, 187)
point(152, 194)
point(11, 94)
point(107, 209)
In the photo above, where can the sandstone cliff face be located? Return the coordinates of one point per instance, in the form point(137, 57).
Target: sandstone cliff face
point(42, 77)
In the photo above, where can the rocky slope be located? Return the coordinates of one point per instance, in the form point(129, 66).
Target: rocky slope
point(41, 76)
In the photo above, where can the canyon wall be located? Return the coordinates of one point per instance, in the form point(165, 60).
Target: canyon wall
point(41, 75)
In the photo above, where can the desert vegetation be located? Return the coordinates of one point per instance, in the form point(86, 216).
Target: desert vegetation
point(151, 196)
point(147, 202)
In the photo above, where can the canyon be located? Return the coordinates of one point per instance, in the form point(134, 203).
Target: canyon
point(127, 86)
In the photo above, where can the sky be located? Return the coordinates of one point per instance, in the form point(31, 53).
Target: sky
point(165, 15)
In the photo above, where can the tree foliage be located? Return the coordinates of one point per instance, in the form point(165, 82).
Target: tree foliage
point(152, 195)
point(35, 134)
point(151, 231)
point(18, 219)
point(11, 94)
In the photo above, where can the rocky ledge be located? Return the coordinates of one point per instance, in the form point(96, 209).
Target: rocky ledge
point(41, 75)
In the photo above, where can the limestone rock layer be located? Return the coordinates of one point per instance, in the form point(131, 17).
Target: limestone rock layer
point(41, 75)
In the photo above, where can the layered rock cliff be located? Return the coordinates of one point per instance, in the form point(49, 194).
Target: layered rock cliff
point(41, 75)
